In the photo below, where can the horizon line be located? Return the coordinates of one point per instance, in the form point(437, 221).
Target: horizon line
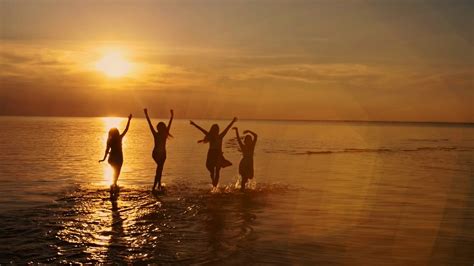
point(266, 119)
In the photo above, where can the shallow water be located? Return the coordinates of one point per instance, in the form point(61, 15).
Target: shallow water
point(327, 193)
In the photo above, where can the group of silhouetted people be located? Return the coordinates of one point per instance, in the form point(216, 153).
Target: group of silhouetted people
point(215, 157)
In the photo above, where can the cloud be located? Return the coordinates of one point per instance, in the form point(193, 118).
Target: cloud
point(313, 73)
point(74, 68)
point(9, 57)
point(39, 75)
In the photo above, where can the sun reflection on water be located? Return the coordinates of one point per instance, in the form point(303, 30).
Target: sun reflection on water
point(108, 174)
point(103, 225)
point(111, 122)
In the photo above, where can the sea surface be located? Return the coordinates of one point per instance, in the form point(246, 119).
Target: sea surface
point(337, 193)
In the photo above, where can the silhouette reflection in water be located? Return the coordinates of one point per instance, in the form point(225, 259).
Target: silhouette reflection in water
point(116, 245)
point(229, 221)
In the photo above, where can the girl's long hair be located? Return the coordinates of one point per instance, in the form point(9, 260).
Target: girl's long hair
point(114, 136)
point(213, 133)
point(162, 129)
point(248, 140)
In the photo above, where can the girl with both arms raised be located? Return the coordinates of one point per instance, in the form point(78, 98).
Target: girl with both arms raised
point(114, 151)
point(247, 148)
point(159, 152)
point(215, 158)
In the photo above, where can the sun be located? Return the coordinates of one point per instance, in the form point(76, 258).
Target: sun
point(113, 64)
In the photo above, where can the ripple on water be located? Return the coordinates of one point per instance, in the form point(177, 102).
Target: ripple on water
point(184, 224)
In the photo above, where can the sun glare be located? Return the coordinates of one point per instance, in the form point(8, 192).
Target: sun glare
point(114, 64)
point(111, 122)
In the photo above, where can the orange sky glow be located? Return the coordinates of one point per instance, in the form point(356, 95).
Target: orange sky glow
point(305, 60)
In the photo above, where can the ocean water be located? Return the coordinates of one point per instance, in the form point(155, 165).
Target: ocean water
point(323, 193)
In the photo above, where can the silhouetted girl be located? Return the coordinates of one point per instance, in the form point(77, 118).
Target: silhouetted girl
point(159, 152)
point(247, 148)
point(215, 159)
point(114, 151)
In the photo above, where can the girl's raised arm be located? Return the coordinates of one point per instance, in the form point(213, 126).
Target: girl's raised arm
point(241, 145)
point(253, 134)
point(171, 120)
point(128, 125)
point(228, 127)
point(149, 121)
point(198, 127)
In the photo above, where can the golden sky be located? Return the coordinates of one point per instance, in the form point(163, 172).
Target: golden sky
point(269, 59)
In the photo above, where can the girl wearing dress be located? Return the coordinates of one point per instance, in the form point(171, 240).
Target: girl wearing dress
point(215, 158)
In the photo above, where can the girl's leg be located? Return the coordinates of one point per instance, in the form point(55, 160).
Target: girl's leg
point(160, 162)
point(211, 172)
point(244, 182)
point(117, 169)
point(217, 176)
point(159, 172)
point(211, 162)
point(156, 178)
